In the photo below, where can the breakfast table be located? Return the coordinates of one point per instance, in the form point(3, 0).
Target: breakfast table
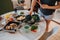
point(21, 34)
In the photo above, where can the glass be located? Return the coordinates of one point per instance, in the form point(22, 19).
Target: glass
point(26, 28)
point(15, 10)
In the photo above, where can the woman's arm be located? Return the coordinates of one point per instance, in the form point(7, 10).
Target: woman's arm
point(55, 7)
point(32, 5)
point(45, 6)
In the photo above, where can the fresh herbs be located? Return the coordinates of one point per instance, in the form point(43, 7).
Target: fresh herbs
point(33, 27)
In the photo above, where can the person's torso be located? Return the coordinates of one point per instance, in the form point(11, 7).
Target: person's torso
point(50, 3)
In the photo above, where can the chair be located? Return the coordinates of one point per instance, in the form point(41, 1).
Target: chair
point(55, 35)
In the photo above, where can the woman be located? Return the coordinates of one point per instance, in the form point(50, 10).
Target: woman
point(47, 7)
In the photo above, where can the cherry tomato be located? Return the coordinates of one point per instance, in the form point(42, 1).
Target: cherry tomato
point(11, 19)
point(34, 30)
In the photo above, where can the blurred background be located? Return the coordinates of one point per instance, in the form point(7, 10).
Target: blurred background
point(10, 5)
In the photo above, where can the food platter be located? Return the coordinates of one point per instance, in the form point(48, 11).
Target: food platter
point(11, 27)
point(18, 20)
point(20, 17)
point(30, 29)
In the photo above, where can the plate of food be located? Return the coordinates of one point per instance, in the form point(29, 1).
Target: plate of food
point(32, 19)
point(36, 18)
point(34, 28)
point(11, 27)
point(20, 17)
point(29, 29)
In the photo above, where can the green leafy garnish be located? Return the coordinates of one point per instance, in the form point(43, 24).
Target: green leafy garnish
point(26, 27)
point(33, 27)
point(21, 12)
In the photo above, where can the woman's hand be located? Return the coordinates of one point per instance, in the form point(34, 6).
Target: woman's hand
point(44, 6)
point(30, 12)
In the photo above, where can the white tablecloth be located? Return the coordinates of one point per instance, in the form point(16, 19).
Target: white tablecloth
point(22, 35)
point(8, 36)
